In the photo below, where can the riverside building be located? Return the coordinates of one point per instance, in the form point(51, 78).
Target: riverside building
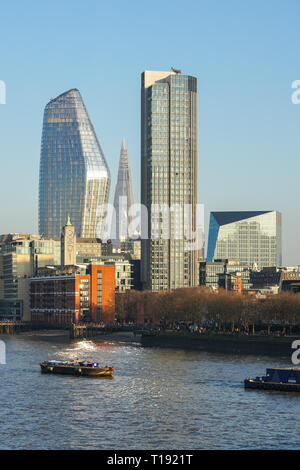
point(25, 255)
point(73, 294)
point(168, 176)
point(21, 255)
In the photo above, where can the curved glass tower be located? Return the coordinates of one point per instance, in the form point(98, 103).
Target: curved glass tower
point(74, 176)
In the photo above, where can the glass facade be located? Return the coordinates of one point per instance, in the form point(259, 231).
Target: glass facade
point(74, 176)
point(252, 237)
point(169, 176)
point(214, 274)
point(123, 197)
point(209, 273)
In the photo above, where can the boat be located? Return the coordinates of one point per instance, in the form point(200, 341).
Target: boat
point(285, 379)
point(78, 368)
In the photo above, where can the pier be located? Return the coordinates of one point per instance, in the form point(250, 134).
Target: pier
point(12, 327)
point(87, 330)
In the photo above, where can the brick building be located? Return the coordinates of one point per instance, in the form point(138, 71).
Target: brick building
point(73, 294)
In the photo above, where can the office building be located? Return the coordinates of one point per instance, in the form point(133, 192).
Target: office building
point(209, 273)
point(123, 268)
point(277, 278)
point(21, 255)
point(25, 255)
point(252, 237)
point(90, 247)
point(131, 248)
point(74, 176)
point(168, 178)
point(224, 273)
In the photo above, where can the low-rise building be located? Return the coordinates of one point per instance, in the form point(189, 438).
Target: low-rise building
point(73, 294)
point(225, 273)
point(91, 247)
point(290, 279)
point(20, 257)
point(131, 247)
point(123, 269)
point(23, 255)
point(209, 273)
point(230, 275)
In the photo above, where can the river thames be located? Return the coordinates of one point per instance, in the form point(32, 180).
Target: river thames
point(158, 399)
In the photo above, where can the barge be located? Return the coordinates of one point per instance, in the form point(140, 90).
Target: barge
point(286, 380)
point(81, 368)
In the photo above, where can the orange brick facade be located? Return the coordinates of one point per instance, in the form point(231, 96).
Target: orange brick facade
point(108, 292)
point(238, 285)
point(66, 299)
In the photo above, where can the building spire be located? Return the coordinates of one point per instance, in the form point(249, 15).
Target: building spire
point(123, 195)
point(124, 146)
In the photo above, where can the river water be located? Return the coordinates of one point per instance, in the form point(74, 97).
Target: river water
point(158, 399)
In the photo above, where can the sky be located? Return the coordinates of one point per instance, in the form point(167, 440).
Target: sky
point(245, 55)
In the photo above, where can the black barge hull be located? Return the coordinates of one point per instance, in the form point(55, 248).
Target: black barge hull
point(280, 386)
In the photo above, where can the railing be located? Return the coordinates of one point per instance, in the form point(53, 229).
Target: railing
point(11, 327)
point(86, 330)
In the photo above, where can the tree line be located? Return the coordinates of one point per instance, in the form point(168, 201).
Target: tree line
point(222, 310)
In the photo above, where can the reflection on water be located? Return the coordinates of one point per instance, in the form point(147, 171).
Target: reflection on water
point(158, 399)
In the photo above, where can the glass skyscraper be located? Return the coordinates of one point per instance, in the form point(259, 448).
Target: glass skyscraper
point(252, 237)
point(168, 176)
point(123, 196)
point(74, 176)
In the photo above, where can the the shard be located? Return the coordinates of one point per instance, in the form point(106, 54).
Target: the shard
point(123, 198)
point(74, 176)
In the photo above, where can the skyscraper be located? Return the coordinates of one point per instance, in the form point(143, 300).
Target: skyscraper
point(168, 177)
point(253, 237)
point(74, 176)
point(123, 196)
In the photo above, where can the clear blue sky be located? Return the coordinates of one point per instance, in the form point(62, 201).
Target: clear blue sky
point(245, 55)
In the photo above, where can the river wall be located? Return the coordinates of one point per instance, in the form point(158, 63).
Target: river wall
point(222, 343)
